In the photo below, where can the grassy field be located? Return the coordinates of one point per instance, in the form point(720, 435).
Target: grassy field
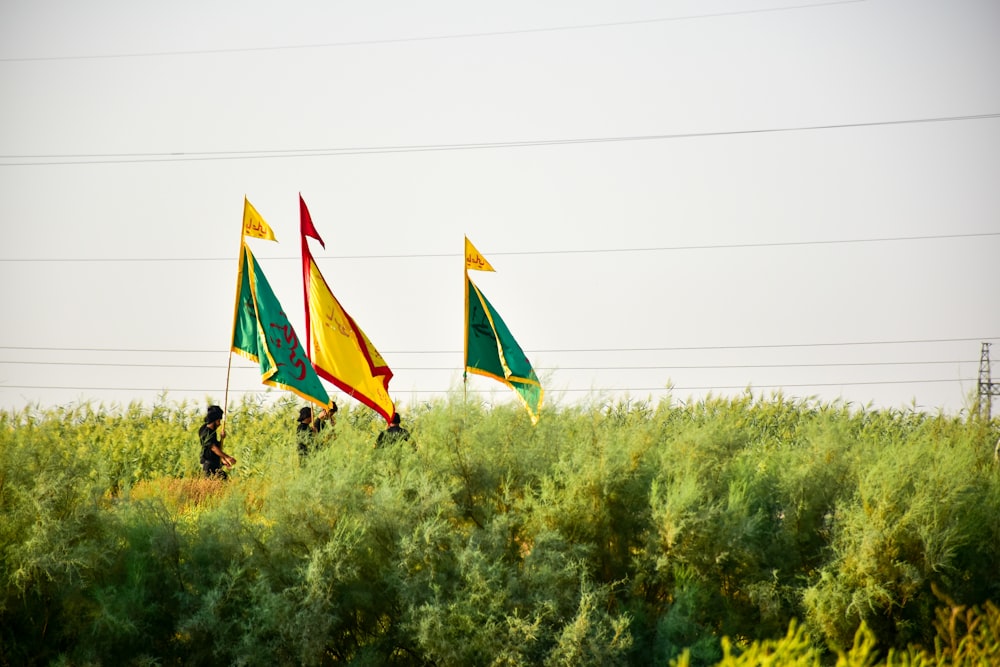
point(726, 531)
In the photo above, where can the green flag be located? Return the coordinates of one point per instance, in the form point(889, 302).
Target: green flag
point(491, 351)
point(262, 333)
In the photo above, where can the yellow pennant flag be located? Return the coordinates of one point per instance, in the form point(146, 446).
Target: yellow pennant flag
point(474, 260)
point(254, 225)
point(340, 350)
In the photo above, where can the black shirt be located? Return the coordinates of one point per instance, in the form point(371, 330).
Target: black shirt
point(392, 435)
point(209, 437)
point(304, 437)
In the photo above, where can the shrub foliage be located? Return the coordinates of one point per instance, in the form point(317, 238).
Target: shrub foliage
point(728, 531)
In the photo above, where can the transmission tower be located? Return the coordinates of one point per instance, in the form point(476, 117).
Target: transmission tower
point(987, 388)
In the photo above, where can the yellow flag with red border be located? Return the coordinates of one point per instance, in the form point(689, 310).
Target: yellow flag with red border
point(340, 350)
point(254, 224)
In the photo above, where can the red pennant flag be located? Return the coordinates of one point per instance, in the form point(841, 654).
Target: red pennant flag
point(308, 229)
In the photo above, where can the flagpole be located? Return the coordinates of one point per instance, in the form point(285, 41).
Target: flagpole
point(465, 326)
point(236, 307)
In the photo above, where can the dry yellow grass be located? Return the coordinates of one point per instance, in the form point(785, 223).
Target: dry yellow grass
point(179, 493)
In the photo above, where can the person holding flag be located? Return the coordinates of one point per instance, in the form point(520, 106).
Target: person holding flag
point(309, 428)
point(392, 434)
point(211, 437)
point(261, 333)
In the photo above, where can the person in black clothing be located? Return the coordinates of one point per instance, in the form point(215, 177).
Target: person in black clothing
point(212, 456)
point(309, 427)
point(305, 431)
point(392, 434)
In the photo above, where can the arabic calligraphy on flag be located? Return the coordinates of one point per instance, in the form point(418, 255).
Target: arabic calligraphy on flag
point(474, 259)
point(340, 351)
point(263, 334)
point(254, 224)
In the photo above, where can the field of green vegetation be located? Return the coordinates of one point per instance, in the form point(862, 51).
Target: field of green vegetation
point(746, 531)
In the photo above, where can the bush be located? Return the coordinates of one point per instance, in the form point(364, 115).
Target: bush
point(723, 531)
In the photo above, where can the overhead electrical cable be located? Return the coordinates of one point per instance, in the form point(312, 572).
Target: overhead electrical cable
point(428, 38)
point(556, 390)
point(515, 253)
point(551, 351)
point(839, 364)
point(23, 160)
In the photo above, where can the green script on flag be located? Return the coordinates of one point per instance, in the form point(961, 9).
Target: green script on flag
point(491, 351)
point(262, 333)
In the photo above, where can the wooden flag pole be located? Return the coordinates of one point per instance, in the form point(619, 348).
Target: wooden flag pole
point(465, 326)
point(232, 330)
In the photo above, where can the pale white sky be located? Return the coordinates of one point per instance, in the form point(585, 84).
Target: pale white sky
point(773, 180)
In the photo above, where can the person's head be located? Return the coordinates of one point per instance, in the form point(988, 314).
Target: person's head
point(306, 414)
point(395, 419)
point(213, 415)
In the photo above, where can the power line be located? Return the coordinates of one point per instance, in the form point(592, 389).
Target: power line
point(524, 253)
point(403, 40)
point(182, 156)
point(537, 368)
point(554, 390)
point(548, 351)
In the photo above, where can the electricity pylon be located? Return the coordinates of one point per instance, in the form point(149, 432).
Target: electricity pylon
point(987, 388)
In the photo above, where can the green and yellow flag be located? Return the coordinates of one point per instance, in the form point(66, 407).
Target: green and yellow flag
point(262, 333)
point(490, 348)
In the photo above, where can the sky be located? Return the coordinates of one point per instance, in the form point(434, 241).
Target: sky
point(680, 198)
